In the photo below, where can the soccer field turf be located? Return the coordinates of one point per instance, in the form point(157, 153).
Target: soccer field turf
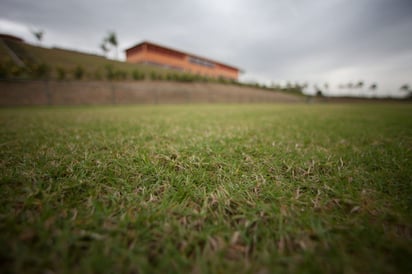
point(206, 189)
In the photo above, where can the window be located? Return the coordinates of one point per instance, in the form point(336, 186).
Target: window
point(201, 62)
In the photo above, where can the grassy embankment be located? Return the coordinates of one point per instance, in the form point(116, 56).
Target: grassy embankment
point(218, 189)
point(58, 61)
point(61, 64)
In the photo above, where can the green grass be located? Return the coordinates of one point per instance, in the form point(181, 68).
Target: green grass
point(206, 189)
point(68, 60)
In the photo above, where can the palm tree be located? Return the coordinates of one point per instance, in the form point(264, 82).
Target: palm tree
point(112, 39)
point(38, 34)
point(318, 90)
point(104, 48)
point(404, 87)
point(373, 87)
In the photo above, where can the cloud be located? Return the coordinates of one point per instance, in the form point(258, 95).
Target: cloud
point(14, 28)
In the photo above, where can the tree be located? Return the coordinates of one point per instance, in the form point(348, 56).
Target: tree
point(373, 86)
point(404, 87)
point(104, 48)
point(112, 39)
point(78, 72)
point(318, 90)
point(359, 84)
point(38, 34)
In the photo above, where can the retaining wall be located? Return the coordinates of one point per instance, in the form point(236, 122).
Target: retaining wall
point(21, 93)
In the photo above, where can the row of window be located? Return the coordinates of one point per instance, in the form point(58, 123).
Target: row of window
point(201, 62)
point(162, 65)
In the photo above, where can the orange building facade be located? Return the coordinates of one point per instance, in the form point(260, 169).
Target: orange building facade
point(150, 53)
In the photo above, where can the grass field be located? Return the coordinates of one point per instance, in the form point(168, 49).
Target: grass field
point(206, 189)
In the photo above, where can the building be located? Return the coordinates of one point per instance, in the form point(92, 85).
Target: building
point(11, 37)
point(153, 54)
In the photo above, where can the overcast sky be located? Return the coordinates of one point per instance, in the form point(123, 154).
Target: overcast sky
point(314, 41)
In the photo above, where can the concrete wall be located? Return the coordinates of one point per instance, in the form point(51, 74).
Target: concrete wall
point(132, 92)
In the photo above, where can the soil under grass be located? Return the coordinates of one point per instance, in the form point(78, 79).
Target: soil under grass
point(206, 189)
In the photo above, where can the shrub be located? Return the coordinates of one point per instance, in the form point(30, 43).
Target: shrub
point(223, 80)
point(9, 69)
point(78, 72)
point(120, 75)
point(172, 77)
point(185, 77)
point(115, 74)
point(154, 76)
point(61, 73)
point(110, 73)
point(40, 71)
point(137, 75)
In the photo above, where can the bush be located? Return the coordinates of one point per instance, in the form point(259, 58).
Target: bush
point(137, 75)
point(110, 73)
point(61, 73)
point(9, 70)
point(154, 76)
point(40, 71)
point(113, 74)
point(120, 75)
point(185, 77)
point(172, 77)
point(197, 78)
point(78, 72)
point(223, 80)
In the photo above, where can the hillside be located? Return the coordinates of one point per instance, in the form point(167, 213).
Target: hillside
point(94, 67)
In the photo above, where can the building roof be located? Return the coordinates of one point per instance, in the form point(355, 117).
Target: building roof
point(183, 52)
point(10, 37)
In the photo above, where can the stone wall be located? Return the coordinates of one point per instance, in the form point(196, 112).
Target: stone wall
point(22, 93)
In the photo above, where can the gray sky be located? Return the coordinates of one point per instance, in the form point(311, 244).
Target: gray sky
point(314, 41)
